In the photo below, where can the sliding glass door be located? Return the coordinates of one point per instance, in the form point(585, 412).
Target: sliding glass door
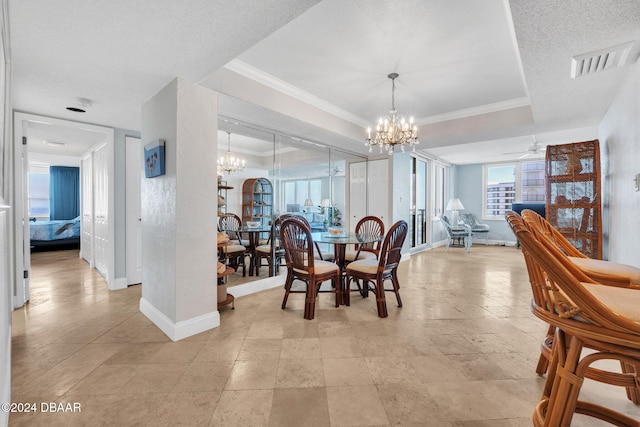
point(420, 212)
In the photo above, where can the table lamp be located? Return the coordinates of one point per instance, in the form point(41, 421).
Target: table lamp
point(454, 206)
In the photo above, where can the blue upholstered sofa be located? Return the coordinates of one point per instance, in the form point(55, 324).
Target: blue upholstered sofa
point(538, 208)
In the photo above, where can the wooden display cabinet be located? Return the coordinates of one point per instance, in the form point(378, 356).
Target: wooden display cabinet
point(573, 204)
point(257, 201)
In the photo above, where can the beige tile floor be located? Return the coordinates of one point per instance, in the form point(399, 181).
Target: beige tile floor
point(461, 352)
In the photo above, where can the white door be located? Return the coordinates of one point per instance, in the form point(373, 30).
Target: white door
point(357, 193)
point(378, 190)
point(86, 206)
point(23, 158)
point(101, 210)
point(134, 171)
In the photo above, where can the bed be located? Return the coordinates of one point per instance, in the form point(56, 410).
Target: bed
point(59, 234)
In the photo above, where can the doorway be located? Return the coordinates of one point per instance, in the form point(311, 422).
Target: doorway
point(420, 218)
point(61, 141)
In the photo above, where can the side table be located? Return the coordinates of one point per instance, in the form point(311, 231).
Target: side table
point(222, 290)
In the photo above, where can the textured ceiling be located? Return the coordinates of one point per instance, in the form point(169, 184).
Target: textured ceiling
point(493, 73)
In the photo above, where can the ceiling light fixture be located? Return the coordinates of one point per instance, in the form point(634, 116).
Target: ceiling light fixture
point(54, 143)
point(393, 129)
point(82, 103)
point(229, 163)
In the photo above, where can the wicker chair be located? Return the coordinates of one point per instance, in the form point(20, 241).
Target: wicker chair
point(264, 252)
point(231, 224)
point(370, 225)
point(295, 235)
point(374, 272)
point(327, 256)
point(583, 314)
point(605, 272)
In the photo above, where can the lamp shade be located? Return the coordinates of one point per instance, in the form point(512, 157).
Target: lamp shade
point(454, 205)
point(308, 202)
point(325, 203)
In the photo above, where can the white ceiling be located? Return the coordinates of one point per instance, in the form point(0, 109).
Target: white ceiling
point(491, 74)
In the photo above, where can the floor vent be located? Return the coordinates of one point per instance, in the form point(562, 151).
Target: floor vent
point(601, 60)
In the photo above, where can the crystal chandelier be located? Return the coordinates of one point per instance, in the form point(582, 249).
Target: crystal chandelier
point(393, 129)
point(228, 163)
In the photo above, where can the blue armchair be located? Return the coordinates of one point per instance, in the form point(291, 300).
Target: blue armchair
point(457, 233)
point(477, 227)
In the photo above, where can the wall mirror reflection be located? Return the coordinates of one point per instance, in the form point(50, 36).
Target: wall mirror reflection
point(278, 173)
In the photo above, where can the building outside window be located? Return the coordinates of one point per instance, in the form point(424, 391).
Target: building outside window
point(505, 184)
point(39, 192)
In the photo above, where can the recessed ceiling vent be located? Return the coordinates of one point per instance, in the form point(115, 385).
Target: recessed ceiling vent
point(601, 60)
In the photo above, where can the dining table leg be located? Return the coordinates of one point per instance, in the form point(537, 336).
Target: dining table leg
point(339, 252)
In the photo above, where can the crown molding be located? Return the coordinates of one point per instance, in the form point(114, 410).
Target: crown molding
point(475, 111)
point(268, 80)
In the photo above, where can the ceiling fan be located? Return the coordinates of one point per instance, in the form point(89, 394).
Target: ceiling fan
point(534, 150)
point(335, 171)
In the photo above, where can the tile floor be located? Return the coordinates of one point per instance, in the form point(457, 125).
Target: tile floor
point(461, 352)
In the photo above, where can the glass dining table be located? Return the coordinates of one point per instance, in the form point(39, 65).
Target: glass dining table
point(340, 242)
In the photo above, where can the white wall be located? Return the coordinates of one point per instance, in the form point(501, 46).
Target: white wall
point(619, 135)
point(6, 306)
point(179, 212)
point(53, 160)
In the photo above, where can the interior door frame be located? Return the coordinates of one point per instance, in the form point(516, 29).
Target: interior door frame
point(133, 177)
point(21, 179)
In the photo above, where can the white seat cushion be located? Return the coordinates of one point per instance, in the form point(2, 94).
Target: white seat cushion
point(624, 301)
point(321, 267)
point(265, 249)
point(233, 248)
point(607, 267)
point(351, 255)
point(368, 266)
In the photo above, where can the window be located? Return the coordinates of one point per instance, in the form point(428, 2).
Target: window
point(505, 184)
point(296, 192)
point(39, 192)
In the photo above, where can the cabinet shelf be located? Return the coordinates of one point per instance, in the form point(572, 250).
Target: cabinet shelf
point(222, 194)
point(257, 200)
point(573, 194)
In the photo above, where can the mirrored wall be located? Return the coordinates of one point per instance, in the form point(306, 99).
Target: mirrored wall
point(282, 173)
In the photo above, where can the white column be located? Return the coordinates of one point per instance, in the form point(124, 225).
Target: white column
point(179, 212)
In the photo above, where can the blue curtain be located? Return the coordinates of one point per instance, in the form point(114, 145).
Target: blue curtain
point(64, 192)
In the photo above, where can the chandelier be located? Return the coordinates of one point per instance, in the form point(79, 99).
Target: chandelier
point(228, 163)
point(393, 129)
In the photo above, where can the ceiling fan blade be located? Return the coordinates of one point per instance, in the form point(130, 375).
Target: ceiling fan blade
point(525, 155)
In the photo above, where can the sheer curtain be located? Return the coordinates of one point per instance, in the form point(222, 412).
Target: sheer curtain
point(64, 192)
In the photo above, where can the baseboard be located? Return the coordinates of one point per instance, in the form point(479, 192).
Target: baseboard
point(180, 330)
point(257, 286)
point(119, 283)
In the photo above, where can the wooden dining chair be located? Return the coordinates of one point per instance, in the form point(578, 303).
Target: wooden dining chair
point(374, 272)
point(231, 224)
point(583, 314)
point(370, 225)
point(233, 255)
point(326, 256)
point(272, 251)
point(302, 266)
